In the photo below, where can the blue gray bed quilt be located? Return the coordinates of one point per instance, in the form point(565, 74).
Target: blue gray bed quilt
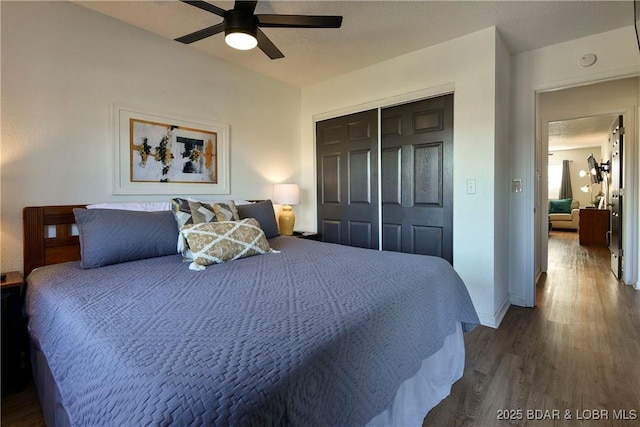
point(316, 335)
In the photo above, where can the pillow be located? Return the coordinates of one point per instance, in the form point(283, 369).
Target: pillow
point(218, 242)
point(263, 212)
point(197, 212)
point(133, 206)
point(560, 206)
point(112, 236)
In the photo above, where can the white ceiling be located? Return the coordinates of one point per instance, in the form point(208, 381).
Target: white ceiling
point(373, 31)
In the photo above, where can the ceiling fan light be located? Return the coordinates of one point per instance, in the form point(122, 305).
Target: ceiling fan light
point(241, 41)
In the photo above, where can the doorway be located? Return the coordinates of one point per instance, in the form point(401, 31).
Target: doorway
point(571, 143)
point(595, 100)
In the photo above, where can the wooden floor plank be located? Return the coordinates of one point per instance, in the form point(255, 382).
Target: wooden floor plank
point(577, 351)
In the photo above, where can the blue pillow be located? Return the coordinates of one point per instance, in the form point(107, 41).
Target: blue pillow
point(264, 214)
point(560, 206)
point(112, 236)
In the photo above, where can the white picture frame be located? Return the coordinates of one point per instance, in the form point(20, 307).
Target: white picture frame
point(167, 153)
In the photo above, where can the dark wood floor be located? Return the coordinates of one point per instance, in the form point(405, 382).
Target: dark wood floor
point(577, 351)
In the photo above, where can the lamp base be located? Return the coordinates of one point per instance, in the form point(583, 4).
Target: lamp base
point(286, 221)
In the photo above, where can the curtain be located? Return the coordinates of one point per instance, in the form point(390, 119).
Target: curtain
point(565, 182)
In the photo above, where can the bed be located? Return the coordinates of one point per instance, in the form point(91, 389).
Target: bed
point(311, 334)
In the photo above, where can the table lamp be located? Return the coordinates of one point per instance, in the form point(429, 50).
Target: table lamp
point(286, 195)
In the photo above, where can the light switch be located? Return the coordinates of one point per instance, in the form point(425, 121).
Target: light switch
point(471, 186)
point(516, 186)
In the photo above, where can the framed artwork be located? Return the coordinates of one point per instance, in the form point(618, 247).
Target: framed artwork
point(159, 153)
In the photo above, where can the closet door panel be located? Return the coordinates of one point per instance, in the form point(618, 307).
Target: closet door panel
point(392, 237)
point(346, 149)
point(427, 185)
point(360, 177)
point(330, 230)
point(425, 143)
point(391, 178)
point(330, 178)
point(360, 234)
point(427, 240)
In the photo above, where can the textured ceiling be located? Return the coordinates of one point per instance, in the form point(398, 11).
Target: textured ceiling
point(579, 133)
point(373, 31)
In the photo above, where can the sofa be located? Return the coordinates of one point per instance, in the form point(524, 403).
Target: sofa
point(564, 214)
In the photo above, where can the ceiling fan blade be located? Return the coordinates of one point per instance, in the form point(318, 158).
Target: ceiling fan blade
point(267, 46)
point(245, 6)
point(299, 21)
point(201, 34)
point(205, 6)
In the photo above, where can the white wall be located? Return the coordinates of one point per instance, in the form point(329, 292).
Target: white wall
point(502, 181)
point(466, 66)
point(554, 67)
point(62, 66)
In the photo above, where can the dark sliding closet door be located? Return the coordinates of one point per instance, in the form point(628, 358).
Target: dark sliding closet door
point(417, 177)
point(347, 165)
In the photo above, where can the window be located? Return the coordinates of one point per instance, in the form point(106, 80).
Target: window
point(555, 177)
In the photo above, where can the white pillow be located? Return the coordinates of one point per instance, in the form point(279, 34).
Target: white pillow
point(134, 206)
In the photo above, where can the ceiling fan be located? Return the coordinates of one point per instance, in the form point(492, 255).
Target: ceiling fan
point(242, 26)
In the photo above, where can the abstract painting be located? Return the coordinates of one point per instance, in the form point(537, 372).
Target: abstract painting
point(163, 152)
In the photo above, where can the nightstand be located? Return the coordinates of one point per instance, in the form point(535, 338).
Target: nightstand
point(15, 365)
point(310, 235)
point(594, 226)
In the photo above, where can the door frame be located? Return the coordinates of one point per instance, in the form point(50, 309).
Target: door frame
point(540, 163)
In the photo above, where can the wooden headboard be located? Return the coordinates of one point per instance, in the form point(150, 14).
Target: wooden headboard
point(48, 236)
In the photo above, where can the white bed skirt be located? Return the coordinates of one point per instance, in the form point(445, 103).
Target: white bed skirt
point(419, 394)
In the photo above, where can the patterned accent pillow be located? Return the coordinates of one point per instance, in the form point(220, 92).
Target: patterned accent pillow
point(196, 212)
point(218, 242)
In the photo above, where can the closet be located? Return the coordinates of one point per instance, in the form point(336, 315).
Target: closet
point(385, 178)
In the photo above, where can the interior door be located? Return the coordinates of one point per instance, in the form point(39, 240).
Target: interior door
point(347, 177)
point(616, 137)
point(417, 177)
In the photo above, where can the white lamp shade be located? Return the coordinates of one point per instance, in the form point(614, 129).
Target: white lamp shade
point(286, 194)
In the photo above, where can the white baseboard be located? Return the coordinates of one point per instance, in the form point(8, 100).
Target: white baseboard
point(494, 320)
point(502, 310)
point(518, 300)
